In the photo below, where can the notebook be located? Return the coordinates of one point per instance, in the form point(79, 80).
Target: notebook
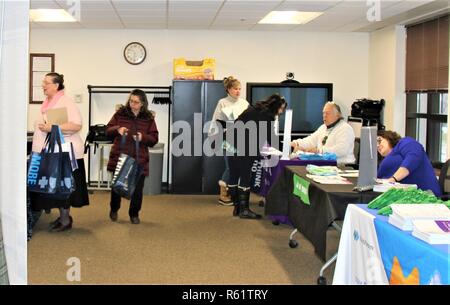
point(57, 116)
point(403, 214)
point(432, 231)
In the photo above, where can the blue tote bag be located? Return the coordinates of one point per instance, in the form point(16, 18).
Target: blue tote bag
point(50, 171)
point(126, 173)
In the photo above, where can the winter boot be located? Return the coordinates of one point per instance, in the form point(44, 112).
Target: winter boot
point(244, 206)
point(233, 191)
point(224, 198)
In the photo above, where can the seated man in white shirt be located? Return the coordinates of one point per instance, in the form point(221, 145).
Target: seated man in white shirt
point(334, 136)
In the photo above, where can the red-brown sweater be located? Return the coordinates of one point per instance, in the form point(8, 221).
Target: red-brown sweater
point(143, 123)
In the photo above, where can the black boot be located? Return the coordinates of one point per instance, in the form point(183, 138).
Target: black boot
point(233, 191)
point(245, 212)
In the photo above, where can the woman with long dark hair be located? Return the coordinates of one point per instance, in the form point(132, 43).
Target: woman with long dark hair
point(252, 129)
point(136, 122)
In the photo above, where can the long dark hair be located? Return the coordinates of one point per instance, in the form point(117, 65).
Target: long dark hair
point(57, 79)
point(271, 105)
point(143, 98)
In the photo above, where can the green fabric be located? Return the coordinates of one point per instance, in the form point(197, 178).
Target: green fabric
point(3, 270)
point(321, 170)
point(301, 189)
point(398, 196)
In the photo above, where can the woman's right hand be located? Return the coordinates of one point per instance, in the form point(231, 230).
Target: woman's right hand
point(122, 130)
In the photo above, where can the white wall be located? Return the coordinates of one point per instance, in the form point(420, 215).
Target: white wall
point(95, 57)
point(387, 58)
point(14, 33)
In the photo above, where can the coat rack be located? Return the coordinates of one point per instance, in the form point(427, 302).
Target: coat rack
point(161, 95)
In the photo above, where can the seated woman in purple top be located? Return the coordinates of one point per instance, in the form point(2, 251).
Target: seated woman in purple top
point(405, 161)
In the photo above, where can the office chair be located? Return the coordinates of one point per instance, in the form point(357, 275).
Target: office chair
point(356, 124)
point(356, 149)
point(444, 180)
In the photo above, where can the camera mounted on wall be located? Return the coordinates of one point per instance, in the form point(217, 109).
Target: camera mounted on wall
point(290, 78)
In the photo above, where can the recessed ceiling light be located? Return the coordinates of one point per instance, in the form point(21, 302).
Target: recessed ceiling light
point(51, 15)
point(289, 17)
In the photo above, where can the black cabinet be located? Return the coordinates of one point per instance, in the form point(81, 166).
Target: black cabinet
point(194, 103)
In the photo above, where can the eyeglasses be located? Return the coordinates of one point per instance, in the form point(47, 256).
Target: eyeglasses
point(324, 140)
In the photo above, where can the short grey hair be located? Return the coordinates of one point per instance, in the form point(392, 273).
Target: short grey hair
point(335, 107)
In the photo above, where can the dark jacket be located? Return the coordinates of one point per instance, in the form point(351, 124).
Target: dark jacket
point(249, 143)
point(143, 123)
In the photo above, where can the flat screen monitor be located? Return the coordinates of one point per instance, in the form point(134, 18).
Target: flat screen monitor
point(306, 101)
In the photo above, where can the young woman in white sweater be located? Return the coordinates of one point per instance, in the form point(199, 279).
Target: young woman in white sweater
point(228, 109)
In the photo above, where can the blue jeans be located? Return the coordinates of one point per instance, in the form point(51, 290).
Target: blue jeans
point(226, 173)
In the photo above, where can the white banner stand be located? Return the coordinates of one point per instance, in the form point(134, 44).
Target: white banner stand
point(287, 135)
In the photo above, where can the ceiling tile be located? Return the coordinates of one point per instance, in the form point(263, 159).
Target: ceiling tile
point(42, 4)
point(153, 5)
point(60, 25)
point(184, 26)
point(315, 29)
point(256, 5)
point(208, 5)
point(353, 26)
point(306, 6)
point(181, 19)
point(103, 25)
point(273, 27)
point(230, 27)
point(235, 21)
point(342, 15)
point(401, 8)
point(144, 25)
point(148, 19)
point(309, 28)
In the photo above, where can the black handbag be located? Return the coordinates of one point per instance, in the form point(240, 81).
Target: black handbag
point(97, 133)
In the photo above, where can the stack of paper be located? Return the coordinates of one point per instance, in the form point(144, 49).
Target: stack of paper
point(321, 170)
point(432, 231)
point(268, 151)
point(349, 173)
point(328, 179)
point(383, 186)
point(403, 215)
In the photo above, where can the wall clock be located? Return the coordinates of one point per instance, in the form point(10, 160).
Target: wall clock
point(135, 53)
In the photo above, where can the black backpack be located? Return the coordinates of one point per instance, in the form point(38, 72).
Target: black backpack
point(97, 133)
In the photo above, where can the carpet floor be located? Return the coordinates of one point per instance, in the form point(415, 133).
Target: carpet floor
point(182, 239)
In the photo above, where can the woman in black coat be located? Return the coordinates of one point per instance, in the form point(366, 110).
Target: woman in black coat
point(251, 130)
